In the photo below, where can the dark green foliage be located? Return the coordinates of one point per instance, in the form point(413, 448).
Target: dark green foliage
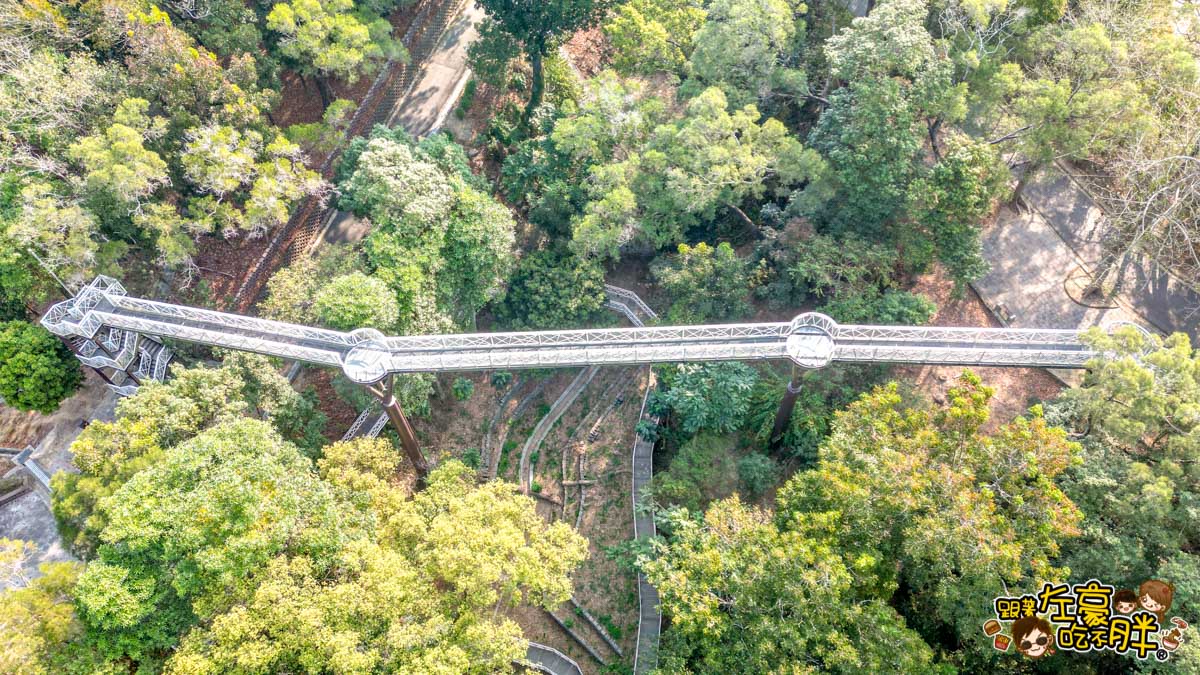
point(757, 473)
point(648, 430)
point(467, 98)
point(471, 457)
point(892, 307)
point(871, 137)
point(303, 423)
point(821, 395)
point(626, 552)
point(413, 392)
point(613, 629)
point(558, 203)
point(950, 202)
point(536, 26)
point(851, 278)
point(37, 371)
point(538, 175)
point(20, 279)
point(829, 269)
point(552, 290)
point(708, 397)
point(1137, 483)
point(705, 283)
point(501, 379)
point(12, 307)
point(491, 55)
point(702, 470)
point(462, 388)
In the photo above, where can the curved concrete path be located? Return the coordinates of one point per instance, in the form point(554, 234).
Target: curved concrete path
point(645, 656)
point(546, 659)
point(544, 425)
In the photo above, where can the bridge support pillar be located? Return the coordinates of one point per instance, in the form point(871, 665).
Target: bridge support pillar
point(384, 390)
point(786, 405)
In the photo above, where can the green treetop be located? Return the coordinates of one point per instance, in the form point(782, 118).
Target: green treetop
point(537, 26)
point(37, 371)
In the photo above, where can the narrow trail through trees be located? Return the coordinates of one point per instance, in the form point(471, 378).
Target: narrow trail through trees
point(544, 425)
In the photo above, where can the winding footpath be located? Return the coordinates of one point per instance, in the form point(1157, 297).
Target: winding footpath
point(645, 655)
point(545, 659)
point(544, 425)
point(645, 659)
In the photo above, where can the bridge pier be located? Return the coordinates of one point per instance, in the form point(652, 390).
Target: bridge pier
point(788, 403)
point(384, 390)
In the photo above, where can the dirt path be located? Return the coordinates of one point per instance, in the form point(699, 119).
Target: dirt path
point(495, 449)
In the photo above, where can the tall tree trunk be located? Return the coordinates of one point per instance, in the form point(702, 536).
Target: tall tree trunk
point(934, 127)
point(1108, 264)
point(323, 88)
point(539, 82)
point(743, 217)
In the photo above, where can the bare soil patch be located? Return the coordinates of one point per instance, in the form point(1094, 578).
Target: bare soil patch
point(589, 51)
point(455, 428)
point(300, 98)
point(224, 263)
point(340, 413)
point(1016, 388)
point(19, 429)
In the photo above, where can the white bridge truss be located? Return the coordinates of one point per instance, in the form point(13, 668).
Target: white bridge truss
point(811, 340)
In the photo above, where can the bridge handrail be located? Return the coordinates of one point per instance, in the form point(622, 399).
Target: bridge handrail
point(811, 340)
point(626, 294)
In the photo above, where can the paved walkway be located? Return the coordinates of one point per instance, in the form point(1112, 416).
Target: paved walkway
point(1038, 255)
point(544, 425)
point(1164, 301)
point(546, 659)
point(425, 108)
point(1030, 266)
point(28, 518)
point(645, 657)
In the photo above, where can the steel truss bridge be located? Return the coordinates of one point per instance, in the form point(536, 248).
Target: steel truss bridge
point(106, 326)
point(811, 340)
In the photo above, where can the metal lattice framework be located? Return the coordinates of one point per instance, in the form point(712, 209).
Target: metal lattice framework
point(811, 340)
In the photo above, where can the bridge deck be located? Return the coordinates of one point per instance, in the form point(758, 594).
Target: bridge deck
point(811, 340)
